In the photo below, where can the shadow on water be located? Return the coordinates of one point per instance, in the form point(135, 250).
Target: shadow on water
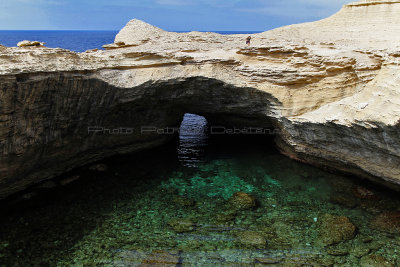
point(174, 205)
point(47, 226)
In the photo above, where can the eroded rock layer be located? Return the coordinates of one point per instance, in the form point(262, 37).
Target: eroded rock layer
point(333, 97)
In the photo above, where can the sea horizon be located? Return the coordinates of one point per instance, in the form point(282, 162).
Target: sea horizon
point(75, 40)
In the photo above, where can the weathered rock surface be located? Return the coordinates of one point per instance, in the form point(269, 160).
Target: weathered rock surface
point(374, 261)
point(252, 239)
point(30, 43)
point(241, 201)
point(161, 258)
point(330, 88)
point(387, 222)
point(333, 229)
point(182, 225)
point(362, 24)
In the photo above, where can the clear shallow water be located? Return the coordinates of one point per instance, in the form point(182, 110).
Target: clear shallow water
point(174, 205)
point(78, 41)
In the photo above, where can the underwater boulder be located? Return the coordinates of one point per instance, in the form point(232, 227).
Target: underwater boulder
point(181, 225)
point(387, 222)
point(334, 229)
point(182, 201)
point(242, 201)
point(364, 193)
point(374, 261)
point(252, 239)
point(161, 258)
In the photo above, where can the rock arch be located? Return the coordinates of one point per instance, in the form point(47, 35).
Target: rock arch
point(68, 120)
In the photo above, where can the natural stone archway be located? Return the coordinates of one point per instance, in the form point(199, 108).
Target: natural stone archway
point(332, 94)
point(69, 119)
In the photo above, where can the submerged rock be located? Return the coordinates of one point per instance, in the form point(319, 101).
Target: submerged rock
point(252, 239)
point(360, 250)
point(364, 193)
point(374, 261)
point(337, 251)
point(333, 229)
point(225, 217)
point(161, 258)
point(180, 225)
point(343, 200)
point(183, 201)
point(241, 201)
point(387, 222)
point(267, 260)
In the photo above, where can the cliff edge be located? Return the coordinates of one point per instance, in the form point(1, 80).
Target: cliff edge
point(363, 24)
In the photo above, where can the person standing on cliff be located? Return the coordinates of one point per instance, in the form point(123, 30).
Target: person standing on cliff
point(248, 39)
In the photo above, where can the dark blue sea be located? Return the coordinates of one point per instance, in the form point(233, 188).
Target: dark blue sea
point(78, 41)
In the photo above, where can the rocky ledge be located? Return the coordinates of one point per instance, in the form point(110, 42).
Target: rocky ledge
point(329, 88)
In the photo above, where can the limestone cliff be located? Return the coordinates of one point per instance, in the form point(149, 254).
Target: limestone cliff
point(331, 93)
point(365, 24)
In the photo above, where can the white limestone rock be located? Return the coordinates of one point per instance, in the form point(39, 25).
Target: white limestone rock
point(30, 43)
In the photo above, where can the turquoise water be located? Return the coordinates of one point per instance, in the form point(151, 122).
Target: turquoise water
point(202, 201)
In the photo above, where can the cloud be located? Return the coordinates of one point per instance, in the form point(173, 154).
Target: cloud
point(55, 3)
point(203, 3)
point(41, 2)
point(325, 3)
point(174, 2)
point(25, 14)
point(23, 17)
point(5, 15)
point(90, 14)
point(299, 9)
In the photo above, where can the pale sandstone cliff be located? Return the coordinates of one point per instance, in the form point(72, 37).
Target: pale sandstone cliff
point(365, 24)
point(332, 93)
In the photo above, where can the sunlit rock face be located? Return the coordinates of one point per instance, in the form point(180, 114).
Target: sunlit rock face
point(328, 87)
point(363, 24)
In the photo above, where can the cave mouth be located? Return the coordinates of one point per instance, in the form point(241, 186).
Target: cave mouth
point(200, 139)
point(215, 197)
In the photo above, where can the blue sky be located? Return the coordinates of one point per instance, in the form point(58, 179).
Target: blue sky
point(202, 15)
